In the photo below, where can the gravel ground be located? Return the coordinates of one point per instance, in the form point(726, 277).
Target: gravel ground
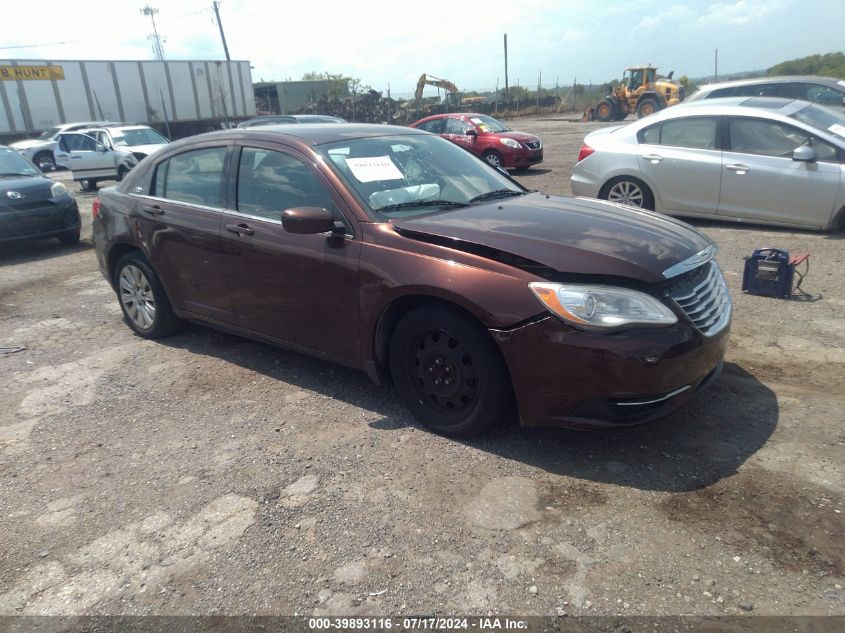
point(207, 474)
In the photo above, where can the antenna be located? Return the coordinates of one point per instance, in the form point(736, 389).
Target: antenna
point(154, 37)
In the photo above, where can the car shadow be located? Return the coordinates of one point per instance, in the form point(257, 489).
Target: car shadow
point(695, 447)
point(528, 173)
point(23, 252)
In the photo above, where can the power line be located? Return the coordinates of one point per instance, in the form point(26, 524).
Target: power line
point(6, 48)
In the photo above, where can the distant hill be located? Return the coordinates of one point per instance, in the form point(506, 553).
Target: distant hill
point(828, 65)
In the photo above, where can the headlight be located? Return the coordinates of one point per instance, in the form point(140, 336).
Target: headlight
point(57, 189)
point(602, 306)
point(510, 143)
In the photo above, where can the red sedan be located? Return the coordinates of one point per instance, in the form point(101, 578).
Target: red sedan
point(486, 137)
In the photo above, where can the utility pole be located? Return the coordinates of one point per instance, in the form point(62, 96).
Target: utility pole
point(507, 89)
point(155, 38)
point(216, 6)
point(716, 67)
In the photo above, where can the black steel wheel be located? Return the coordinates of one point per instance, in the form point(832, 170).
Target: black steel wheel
point(448, 372)
point(142, 298)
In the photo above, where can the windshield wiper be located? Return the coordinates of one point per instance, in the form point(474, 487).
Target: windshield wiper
point(498, 193)
point(421, 203)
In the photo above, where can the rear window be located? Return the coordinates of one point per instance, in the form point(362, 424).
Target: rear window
point(194, 177)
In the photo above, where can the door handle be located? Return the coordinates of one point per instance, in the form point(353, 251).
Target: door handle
point(240, 229)
point(653, 158)
point(156, 210)
point(738, 168)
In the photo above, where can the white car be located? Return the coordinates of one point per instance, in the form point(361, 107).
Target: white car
point(759, 159)
point(91, 161)
point(141, 140)
point(39, 151)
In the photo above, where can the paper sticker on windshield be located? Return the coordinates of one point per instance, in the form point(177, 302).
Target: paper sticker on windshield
point(841, 83)
point(374, 168)
point(836, 128)
point(476, 120)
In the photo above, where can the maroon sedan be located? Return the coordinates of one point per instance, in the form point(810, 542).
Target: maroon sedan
point(395, 252)
point(486, 137)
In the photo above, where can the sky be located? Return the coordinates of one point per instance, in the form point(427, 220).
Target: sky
point(392, 43)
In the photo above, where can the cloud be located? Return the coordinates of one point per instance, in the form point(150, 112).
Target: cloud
point(739, 13)
point(668, 18)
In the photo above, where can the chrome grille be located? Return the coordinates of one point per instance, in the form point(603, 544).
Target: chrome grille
point(705, 299)
point(532, 144)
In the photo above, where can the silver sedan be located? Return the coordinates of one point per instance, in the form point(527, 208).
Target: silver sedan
point(759, 159)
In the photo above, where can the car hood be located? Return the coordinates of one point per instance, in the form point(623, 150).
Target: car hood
point(146, 150)
point(522, 137)
point(570, 235)
point(31, 142)
point(33, 189)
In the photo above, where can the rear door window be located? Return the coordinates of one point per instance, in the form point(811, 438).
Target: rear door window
point(690, 132)
point(436, 126)
point(195, 177)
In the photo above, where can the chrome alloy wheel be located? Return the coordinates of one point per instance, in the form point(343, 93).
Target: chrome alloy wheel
point(136, 295)
point(626, 192)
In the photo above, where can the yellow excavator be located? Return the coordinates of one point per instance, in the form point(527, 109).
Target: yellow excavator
point(453, 99)
point(640, 91)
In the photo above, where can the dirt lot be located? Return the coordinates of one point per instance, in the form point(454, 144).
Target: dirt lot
point(210, 474)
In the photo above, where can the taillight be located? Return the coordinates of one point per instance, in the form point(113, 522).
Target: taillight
point(95, 208)
point(586, 150)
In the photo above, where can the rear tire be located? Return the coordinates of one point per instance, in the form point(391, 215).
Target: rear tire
point(142, 298)
point(605, 111)
point(88, 185)
point(448, 372)
point(629, 191)
point(646, 107)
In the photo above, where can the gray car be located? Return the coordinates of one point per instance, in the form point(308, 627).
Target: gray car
point(827, 91)
point(760, 159)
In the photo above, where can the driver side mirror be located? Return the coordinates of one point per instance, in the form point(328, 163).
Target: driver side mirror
point(102, 148)
point(471, 132)
point(805, 154)
point(307, 220)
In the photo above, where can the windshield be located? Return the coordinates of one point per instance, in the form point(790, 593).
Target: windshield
point(489, 124)
point(822, 118)
point(400, 176)
point(11, 164)
point(133, 138)
point(47, 135)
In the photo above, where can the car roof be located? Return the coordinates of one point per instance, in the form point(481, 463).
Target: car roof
point(828, 81)
point(733, 105)
point(310, 134)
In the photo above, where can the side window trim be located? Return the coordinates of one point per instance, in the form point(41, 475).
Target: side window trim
point(152, 185)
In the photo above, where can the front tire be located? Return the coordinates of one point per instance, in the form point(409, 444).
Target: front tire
point(605, 111)
point(142, 298)
point(448, 372)
point(45, 161)
point(493, 158)
point(629, 191)
point(69, 238)
point(88, 185)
